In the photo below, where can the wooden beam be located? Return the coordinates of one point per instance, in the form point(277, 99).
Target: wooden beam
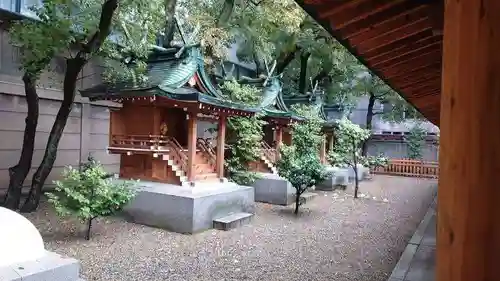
point(425, 75)
point(395, 12)
point(412, 28)
point(322, 150)
point(468, 232)
point(360, 12)
point(407, 56)
point(426, 68)
point(390, 26)
point(422, 84)
point(396, 45)
point(411, 65)
point(335, 7)
point(221, 140)
point(403, 50)
point(278, 135)
point(192, 128)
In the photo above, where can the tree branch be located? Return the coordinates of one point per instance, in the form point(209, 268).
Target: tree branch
point(104, 28)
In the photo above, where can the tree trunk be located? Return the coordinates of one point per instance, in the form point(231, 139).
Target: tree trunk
point(297, 202)
point(369, 120)
point(285, 59)
point(73, 68)
point(170, 24)
point(89, 226)
point(19, 172)
point(355, 160)
point(304, 58)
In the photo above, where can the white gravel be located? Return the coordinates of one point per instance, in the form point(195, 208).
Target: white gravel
point(335, 237)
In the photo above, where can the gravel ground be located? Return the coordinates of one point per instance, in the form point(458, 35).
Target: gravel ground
point(334, 238)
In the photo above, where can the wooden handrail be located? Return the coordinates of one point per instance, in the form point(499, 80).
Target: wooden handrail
point(207, 149)
point(178, 151)
point(269, 152)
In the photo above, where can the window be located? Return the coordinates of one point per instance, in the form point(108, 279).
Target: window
point(9, 5)
point(25, 6)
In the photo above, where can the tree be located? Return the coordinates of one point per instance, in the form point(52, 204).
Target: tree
point(244, 134)
point(33, 62)
point(89, 193)
point(415, 141)
point(83, 29)
point(300, 163)
point(347, 148)
point(379, 92)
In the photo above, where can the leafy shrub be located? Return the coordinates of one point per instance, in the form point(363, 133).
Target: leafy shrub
point(88, 193)
point(300, 163)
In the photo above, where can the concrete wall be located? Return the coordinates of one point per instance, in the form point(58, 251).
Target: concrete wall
point(87, 128)
point(398, 150)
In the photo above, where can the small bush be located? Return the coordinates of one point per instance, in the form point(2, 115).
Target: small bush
point(88, 193)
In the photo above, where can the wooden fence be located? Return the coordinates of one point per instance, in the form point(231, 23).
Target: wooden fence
point(409, 168)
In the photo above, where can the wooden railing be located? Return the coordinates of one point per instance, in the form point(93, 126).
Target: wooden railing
point(150, 143)
point(269, 152)
point(207, 149)
point(143, 142)
point(409, 168)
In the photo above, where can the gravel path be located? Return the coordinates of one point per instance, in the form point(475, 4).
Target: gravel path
point(334, 238)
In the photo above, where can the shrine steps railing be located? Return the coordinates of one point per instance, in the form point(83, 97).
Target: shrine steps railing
point(269, 156)
point(167, 148)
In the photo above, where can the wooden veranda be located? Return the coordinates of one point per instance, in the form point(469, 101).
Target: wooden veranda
point(443, 57)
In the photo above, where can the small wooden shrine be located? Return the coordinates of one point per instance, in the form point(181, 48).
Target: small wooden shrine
point(155, 131)
point(315, 98)
point(278, 118)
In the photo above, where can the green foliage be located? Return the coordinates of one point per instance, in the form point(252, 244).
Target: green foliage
point(65, 27)
point(374, 161)
point(89, 192)
point(300, 163)
point(415, 141)
point(244, 134)
point(346, 150)
point(237, 92)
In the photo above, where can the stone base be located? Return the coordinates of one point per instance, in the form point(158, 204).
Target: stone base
point(273, 189)
point(338, 179)
point(188, 209)
point(51, 267)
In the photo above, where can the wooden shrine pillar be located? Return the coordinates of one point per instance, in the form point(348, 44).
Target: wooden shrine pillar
point(221, 143)
point(278, 136)
point(192, 128)
point(322, 150)
point(468, 242)
point(330, 141)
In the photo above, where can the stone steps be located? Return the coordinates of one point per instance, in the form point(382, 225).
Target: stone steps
point(231, 221)
point(307, 196)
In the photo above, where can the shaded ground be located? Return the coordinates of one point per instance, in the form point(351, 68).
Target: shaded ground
point(334, 238)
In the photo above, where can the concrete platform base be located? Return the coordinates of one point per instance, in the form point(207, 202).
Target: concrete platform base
point(338, 179)
point(188, 209)
point(273, 189)
point(51, 267)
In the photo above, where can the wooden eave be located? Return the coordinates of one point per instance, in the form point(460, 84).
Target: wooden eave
point(399, 40)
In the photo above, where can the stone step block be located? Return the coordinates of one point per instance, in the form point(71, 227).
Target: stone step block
point(232, 221)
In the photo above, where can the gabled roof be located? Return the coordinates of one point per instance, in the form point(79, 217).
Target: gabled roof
point(167, 75)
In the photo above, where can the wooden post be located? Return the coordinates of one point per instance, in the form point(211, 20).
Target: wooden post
point(221, 141)
point(330, 142)
point(278, 136)
point(468, 242)
point(322, 150)
point(191, 146)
